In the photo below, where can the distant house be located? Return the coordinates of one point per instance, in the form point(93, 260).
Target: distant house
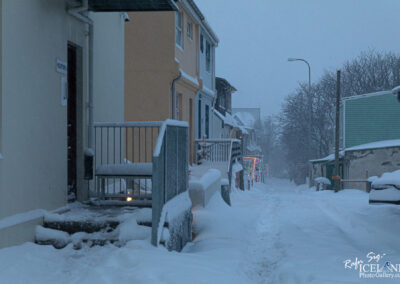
point(169, 68)
point(370, 139)
point(249, 119)
point(223, 123)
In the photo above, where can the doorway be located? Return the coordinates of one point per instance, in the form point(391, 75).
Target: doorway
point(191, 142)
point(72, 122)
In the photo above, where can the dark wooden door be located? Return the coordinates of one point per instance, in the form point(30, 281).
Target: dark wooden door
point(72, 121)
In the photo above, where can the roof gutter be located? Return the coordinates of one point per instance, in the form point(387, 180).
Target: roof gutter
point(78, 13)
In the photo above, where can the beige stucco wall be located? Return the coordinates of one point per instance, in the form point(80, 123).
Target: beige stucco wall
point(149, 65)
point(152, 62)
point(376, 162)
point(188, 54)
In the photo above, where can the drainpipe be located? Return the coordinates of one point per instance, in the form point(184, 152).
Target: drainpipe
point(173, 94)
point(78, 14)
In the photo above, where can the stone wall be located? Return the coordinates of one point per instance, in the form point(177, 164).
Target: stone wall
point(373, 161)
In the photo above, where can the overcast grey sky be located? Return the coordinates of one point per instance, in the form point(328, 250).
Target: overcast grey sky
point(257, 37)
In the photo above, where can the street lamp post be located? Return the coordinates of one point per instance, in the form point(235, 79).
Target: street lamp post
point(309, 104)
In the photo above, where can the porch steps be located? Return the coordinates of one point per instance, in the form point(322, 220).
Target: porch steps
point(73, 227)
point(92, 226)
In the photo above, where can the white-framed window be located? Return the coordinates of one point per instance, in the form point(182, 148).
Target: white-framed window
point(208, 56)
point(201, 43)
point(189, 30)
point(1, 102)
point(222, 101)
point(178, 28)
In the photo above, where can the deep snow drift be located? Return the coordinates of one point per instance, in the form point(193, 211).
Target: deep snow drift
point(275, 233)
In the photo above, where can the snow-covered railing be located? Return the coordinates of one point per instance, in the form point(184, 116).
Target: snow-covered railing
point(170, 173)
point(219, 150)
point(124, 149)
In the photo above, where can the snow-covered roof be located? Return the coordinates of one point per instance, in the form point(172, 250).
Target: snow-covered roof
point(227, 118)
point(396, 90)
point(368, 146)
point(366, 95)
point(253, 148)
point(328, 158)
point(246, 119)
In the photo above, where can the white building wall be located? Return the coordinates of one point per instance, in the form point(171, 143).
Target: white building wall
point(109, 67)
point(208, 77)
point(33, 170)
point(205, 100)
point(34, 164)
point(219, 130)
point(374, 161)
point(207, 94)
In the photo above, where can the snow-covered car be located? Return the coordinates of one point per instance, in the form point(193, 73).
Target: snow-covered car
point(385, 189)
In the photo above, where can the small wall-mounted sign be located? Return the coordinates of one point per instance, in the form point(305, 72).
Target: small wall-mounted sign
point(61, 66)
point(64, 91)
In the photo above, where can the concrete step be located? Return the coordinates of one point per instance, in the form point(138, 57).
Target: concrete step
point(72, 227)
point(60, 239)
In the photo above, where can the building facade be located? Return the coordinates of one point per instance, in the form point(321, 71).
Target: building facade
point(370, 129)
point(223, 123)
point(206, 97)
point(368, 118)
point(61, 69)
point(168, 73)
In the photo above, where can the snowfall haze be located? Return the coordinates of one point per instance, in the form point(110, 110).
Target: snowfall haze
point(257, 37)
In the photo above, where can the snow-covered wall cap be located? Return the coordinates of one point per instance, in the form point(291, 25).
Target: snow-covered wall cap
point(368, 146)
point(366, 95)
point(168, 122)
point(376, 145)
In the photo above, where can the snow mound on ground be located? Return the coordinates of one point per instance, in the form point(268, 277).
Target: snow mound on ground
point(45, 234)
point(322, 180)
point(130, 230)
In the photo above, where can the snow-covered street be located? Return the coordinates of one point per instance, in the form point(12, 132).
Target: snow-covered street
point(275, 233)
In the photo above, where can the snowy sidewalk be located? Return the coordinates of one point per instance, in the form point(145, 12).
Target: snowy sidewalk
point(276, 233)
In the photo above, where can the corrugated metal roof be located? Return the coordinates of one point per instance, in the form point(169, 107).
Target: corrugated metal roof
point(131, 5)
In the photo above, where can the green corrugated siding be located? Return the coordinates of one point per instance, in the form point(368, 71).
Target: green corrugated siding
point(371, 119)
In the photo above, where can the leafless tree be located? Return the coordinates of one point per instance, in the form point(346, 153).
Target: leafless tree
point(370, 72)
